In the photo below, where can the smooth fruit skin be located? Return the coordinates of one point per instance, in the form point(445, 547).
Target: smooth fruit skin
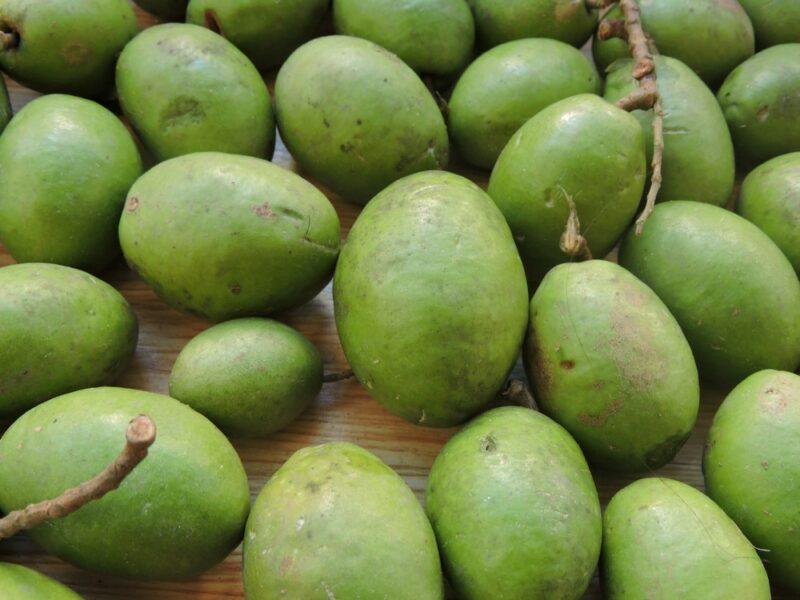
point(581, 148)
point(730, 288)
point(224, 236)
point(664, 539)
point(66, 164)
point(186, 89)
point(508, 85)
point(500, 21)
point(172, 10)
point(60, 330)
point(775, 22)
point(66, 46)
point(177, 514)
point(18, 582)
point(515, 509)
point(609, 362)
point(251, 377)
point(770, 198)
point(698, 159)
point(267, 31)
point(710, 36)
point(430, 299)
point(336, 522)
point(752, 467)
point(434, 37)
point(356, 117)
point(761, 102)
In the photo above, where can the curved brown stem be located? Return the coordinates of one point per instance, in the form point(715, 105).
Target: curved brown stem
point(140, 435)
point(516, 392)
point(9, 40)
point(658, 161)
point(340, 376)
point(572, 243)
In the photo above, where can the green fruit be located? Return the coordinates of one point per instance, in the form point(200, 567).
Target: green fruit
point(770, 198)
point(20, 583)
point(60, 330)
point(581, 148)
point(761, 102)
point(514, 508)
point(609, 362)
point(664, 539)
point(732, 291)
point(500, 21)
point(507, 86)
point(253, 238)
point(64, 45)
point(267, 31)
point(710, 36)
point(186, 89)
point(66, 165)
point(698, 159)
point(430, 299)
point(752, 467)
point(336, 522)
point(775, 22)
point(356, 117)
point(172, 10)
point(177, 514)
point(431, 36)
point(251, 377)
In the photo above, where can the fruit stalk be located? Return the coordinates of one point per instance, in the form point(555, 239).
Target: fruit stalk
point(572, 242)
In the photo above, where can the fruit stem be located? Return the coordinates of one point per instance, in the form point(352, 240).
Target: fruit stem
point(572, 242)
point(140, 435)
point(516, 392)
point(341, 376)
point(9, 40)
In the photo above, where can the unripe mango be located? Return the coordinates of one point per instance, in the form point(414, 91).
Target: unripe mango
point(775, 22)
point(18, 582)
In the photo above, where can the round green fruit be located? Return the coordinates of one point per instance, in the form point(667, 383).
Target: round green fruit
point(18, 582)
point(775, 22)
point(171, 10)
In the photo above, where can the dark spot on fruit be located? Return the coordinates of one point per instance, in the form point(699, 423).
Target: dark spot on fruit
point(286, 563)
point(75, 53)
point(359, 122)
point(132, 204)
point(347, 148)
point(600, 419)
point(568, 364)
point(263, 210)
point(764, 465)
point(488, 444)
point(236, 289)
point(326, 122)
point(212, 21)
point(762, 114)
point(182, 110)
point(312, 486)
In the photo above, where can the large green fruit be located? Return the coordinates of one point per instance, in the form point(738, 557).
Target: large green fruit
point(225, 236)
point(752, 467)
point(336, 522)
point(775, 21)
point(733, 292)
point(356, 117)
point(507, 86)
point(698, 152)
point(500, 21)
point(65, 45)
point(514, 508)
point(761, 102)
point(177, 514)
point(60, 330)
point(430, 299)
point(770, 198)
point(66, 165)
point(185, 89)
point(20, 583)
point(267, 31)
point(251, 377)
point(609, 362)
point(431, 36)
point(581, 148)
point(664, 539)
point(711, 36)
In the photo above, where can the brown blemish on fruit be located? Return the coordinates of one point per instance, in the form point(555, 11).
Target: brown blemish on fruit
point(601, 419)
point(764, 465)
point(132, 204)
point(762, 114)
point(75, 53)
point(263, 210)
point(488, 444)
point(568, 364)
point(236, 289)
point(286, 564)
point(564, 11)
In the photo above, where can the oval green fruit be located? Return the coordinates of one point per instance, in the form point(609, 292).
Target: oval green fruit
point(582, 150)
point(171, 10)
point(770, 198)
point(733, 292)
point(508, 85)
point(18, 582)
point(608, 361)
point(515, 509)
point(251, 377)
point(267, 31)
point(710, 36)
point(430, 299)
point(66, 165)
point(761, 102)
point(356, 117)
point(185, 89)
point(60, 330)
point(500, 21)
point(664, 539)
point(336, 522)
point(775, 22)
point(698, 161)
point(177, 514)
point(752, 467)
point(434, 37)
point(254, 238)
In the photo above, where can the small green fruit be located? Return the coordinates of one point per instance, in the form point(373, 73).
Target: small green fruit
point(20, 583)
point(775, 22)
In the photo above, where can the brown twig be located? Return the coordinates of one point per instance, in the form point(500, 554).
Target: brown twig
point(341, 376)
point(516, 392)
point(572, 243)
point(140, 435)
point(658, 161)
point(612, 28)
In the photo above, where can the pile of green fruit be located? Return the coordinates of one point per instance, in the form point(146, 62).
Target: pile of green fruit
point(155, 146)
